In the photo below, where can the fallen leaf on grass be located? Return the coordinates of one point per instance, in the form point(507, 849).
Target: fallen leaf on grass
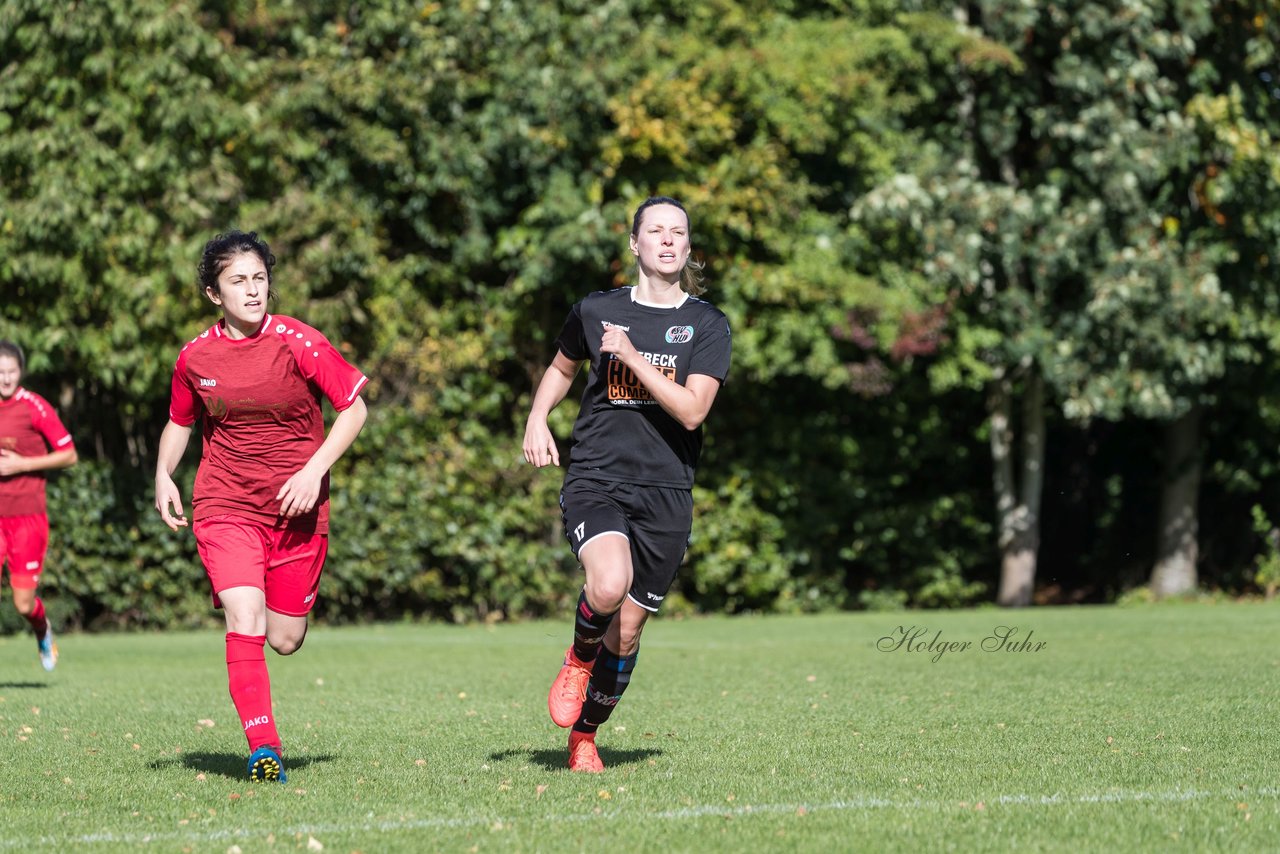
point(420, 762)
point(603, 794)
point(200, 777)
point(542, 787)
point(313, 844)
point(801, 811)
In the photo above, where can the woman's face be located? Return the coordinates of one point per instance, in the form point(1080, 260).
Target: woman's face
point(661, 244)
point(10, 376)
point(242, 292)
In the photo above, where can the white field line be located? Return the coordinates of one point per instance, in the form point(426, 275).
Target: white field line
point(850, 805)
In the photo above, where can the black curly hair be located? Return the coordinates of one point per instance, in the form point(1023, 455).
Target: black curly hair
point(219, 251)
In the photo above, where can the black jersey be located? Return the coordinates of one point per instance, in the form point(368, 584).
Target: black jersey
point(622, 433)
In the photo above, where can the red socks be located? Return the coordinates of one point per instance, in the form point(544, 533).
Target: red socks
point(36, 618)
point(250, 688)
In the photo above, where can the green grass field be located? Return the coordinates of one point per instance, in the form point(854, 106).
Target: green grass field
point(1130, 729)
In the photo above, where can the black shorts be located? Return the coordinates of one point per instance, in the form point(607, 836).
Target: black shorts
point(656, 520)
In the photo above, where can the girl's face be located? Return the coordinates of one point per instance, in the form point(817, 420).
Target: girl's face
point(10, 376)
point(242, 293)
point(661, 244)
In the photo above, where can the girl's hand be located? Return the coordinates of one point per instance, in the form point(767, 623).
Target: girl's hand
point(300, 493)
point(540, 445)
point(169, 503)
point(11, 462)
point(618, 343)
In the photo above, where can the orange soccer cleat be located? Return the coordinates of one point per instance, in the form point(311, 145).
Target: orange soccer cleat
point(569, 689)
point(582, 753)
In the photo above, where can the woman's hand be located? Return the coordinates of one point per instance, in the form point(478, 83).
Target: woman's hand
point(539, 444)
point(300, 492)
point(169, 503)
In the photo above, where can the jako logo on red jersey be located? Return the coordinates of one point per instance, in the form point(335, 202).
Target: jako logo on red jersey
point(680, 335)
point(252, 722)
point(204, 383)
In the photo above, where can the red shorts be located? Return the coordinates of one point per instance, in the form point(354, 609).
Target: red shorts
point(284, 564)
point(23, 542)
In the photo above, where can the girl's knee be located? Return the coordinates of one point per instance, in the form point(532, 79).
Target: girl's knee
point(606, 596)
point(286, 645)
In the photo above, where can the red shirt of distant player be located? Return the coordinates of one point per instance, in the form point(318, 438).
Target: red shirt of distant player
point(258, 399)
point(29, 426)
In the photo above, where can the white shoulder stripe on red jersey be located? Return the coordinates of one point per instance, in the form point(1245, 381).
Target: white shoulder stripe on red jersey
point(355, 391)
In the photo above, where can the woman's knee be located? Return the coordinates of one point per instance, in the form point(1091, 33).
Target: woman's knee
point(286, 643)
point(606, 595)
point(286, 634)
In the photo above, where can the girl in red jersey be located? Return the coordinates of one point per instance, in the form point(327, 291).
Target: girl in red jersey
point(260, 507)
point(32, 441)
point(658, 355)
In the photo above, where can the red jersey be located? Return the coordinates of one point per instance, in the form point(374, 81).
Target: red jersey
point(29, 426)
point(259, 403)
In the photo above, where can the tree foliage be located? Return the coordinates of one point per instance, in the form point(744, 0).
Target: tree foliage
point(893, 208)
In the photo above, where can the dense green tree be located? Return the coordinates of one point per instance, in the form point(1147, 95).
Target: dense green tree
point(1052, 221)
point(1051, 210)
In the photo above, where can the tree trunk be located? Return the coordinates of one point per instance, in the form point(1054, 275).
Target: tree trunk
point(1019, 486)
point(1177, 548)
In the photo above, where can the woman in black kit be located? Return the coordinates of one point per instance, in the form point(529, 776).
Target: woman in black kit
point(658, 356)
